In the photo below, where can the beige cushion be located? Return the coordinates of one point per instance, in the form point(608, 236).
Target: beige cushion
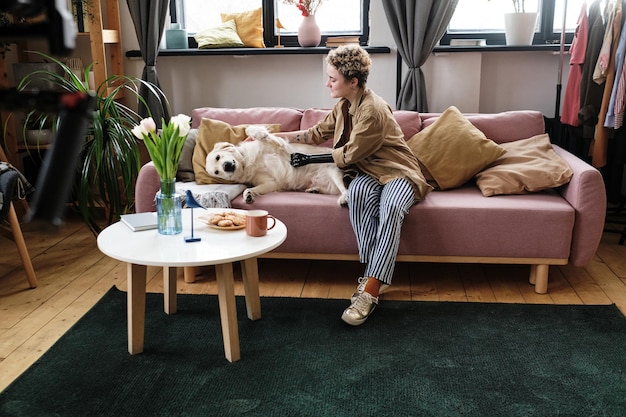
point(249, 26)
point(209, 133)
point(223, 36)
point(451, 150)
point(528, 165)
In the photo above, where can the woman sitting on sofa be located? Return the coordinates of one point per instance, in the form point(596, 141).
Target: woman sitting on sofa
point(386, 180)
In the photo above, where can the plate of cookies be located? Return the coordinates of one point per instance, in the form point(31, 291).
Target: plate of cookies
point(226, 220)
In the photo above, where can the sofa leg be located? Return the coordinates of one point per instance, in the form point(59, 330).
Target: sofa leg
point(539, 278)
point(189, 273)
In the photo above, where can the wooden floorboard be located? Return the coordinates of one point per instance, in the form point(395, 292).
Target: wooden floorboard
point(73, 275)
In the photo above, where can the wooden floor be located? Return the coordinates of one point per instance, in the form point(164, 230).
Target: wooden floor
point(73, 274)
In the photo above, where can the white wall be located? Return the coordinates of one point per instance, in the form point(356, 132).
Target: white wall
point(474, 82)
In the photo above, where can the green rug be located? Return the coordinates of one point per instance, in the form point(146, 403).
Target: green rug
point(300, 359)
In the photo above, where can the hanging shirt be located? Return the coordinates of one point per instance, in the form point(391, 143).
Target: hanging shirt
point(591, 92)
point(571, 99)
point(619, 88)
point(602, 64)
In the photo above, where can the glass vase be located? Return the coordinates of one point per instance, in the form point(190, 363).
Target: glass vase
point(169, 205)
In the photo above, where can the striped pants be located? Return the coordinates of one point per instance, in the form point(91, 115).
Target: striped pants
point(376, 213)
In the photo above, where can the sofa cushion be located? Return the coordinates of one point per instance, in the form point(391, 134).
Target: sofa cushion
point(288, 118)
point(249, 26)
point(459, 222)
point(222, 36)
point(529, 165)
point(185, 165)
point(451, 150)
point(409, 121)
point(501, 127)
point(213, 131)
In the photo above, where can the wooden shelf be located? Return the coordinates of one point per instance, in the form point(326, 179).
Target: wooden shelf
point(106, 46)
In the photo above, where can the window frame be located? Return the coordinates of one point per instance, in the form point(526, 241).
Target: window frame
point(544, 36)
point(270, 39)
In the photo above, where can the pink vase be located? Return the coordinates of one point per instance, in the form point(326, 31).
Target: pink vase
point(309, 33)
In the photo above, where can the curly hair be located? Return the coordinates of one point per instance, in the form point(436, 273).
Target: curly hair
point(351, 61)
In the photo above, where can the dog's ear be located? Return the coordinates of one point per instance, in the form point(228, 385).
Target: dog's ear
point(219, 146)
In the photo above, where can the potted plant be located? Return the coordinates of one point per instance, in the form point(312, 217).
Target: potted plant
point(519, 26)
point(37, 129)
point(110, 158)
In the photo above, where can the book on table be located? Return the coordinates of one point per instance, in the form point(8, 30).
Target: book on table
point(140, 221)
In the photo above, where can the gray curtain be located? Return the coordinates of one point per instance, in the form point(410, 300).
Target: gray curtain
point(417, 26)
point(149, 19)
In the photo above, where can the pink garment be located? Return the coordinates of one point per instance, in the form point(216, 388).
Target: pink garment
point(571, 100)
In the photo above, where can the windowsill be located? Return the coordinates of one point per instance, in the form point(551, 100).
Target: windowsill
point(288, 50)
point(500, 48)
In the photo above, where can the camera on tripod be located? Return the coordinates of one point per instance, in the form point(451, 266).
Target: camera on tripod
point(57, 24)
point(53, 21)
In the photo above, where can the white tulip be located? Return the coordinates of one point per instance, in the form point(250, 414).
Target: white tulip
point(148, 124)
point(182, 122)
point(144, 127)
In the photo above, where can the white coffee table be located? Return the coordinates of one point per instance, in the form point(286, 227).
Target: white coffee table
point(216, 247)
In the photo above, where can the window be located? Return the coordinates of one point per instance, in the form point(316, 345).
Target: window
point(483, 19)
point(335, 18)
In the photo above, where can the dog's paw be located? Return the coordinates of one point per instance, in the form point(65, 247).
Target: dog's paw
point(248, 196)
point(312, 190)
point(257, 132)
point(343, 200)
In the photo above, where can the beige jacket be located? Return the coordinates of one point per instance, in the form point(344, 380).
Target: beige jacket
point(376, 145)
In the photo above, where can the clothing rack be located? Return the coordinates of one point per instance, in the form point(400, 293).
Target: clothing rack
point(598, 141)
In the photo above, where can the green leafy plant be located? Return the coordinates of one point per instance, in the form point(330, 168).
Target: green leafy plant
point(110, 158)
point(164, 147)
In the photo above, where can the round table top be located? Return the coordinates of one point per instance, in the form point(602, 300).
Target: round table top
point(150, 248)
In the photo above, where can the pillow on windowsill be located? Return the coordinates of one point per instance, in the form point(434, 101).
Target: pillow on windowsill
point(249, 26)
point(223, 36)
point(529, 165)
point(452, 150)
point(209, 133)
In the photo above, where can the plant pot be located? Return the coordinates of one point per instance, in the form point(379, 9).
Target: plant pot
point(37, 137)
point(519, 28)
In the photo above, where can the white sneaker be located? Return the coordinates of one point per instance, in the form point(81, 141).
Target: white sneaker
point(360, 309)
point(361, 287)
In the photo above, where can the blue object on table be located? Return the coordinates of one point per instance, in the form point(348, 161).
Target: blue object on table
point(192, 203)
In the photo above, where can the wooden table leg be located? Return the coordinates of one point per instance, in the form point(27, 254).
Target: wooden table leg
point(250, 273)
point(169, 289)
point(136, 305)
point(228, 310)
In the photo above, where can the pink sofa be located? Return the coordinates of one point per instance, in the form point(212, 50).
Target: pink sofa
point(553, 227)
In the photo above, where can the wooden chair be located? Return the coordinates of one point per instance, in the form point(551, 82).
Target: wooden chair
point(14, 232)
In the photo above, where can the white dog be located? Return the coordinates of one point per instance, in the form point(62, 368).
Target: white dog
point(264, 163)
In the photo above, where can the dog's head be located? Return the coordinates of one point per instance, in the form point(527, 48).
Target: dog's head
point(224, 162)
